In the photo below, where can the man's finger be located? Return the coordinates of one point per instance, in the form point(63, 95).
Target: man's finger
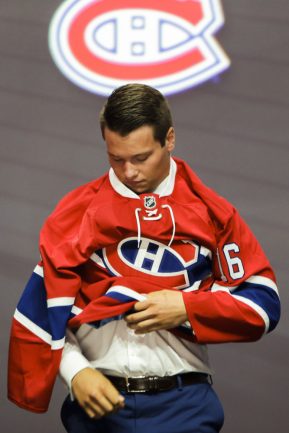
point(100, 406)
point(141, 305)
point(144, 326)
point(105, 405)
point(93, 410)
point(113, 396)
point(138, 317)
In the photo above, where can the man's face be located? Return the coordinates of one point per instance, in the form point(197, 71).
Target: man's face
point(138, 160)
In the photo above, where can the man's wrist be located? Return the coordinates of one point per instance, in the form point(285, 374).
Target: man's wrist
point(71, 364)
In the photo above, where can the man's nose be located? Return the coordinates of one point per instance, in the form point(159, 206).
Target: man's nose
point(130, 171)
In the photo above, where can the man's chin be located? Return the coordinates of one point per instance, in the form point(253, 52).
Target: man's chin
point(138, 187)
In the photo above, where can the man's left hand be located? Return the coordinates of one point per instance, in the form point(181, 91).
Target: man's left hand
point(163, 309)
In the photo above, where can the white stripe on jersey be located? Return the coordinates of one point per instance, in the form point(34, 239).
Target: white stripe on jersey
point(127, 292)
point(97, 259)
point(256, 279)
point(195, 286)
point(257, 308)
point(57, 344)
point(218, 287)
point(39, 332)
point(35, 329)
point(39, 271)
point(75, 310)
point(60, 302)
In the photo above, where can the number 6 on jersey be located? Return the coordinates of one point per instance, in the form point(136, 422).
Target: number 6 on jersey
point(235, 265)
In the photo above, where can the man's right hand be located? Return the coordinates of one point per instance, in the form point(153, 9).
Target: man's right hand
point(95, 393)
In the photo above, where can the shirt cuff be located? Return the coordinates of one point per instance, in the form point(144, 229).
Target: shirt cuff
point(70, 365)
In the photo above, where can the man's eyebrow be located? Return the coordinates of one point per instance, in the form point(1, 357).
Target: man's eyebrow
point(132, 156)
point(142, 154)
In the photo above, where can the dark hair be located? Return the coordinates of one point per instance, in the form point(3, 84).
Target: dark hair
point(134, 105)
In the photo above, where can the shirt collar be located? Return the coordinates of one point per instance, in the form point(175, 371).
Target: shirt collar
point(165, 188)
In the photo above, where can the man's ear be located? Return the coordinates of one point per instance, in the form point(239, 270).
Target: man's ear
point(170, 139)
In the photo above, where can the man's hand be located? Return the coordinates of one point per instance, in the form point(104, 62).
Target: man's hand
point(163, 309)
point(95, 393)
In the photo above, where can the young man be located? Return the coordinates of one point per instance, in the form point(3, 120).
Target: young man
point(142, 268)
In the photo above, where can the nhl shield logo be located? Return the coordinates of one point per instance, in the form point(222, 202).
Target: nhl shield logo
point(168, 44)
point(149, 202)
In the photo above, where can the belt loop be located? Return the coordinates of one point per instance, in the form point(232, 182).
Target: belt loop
point(127, 384)
point(180, 382)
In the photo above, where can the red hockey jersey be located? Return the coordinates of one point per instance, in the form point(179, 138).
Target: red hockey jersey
point(103, 246)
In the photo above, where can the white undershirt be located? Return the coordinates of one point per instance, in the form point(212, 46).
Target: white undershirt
point(115, 349)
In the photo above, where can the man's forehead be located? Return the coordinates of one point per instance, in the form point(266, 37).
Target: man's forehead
point(138, 142)
point(143, 133)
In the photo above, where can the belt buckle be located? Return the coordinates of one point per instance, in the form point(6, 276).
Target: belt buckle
point(128, 385)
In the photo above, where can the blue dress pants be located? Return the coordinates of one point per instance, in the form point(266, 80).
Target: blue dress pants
point(189, 409)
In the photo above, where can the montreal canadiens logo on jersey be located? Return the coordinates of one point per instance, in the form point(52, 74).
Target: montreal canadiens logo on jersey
point(168, 44)
point(180, 266)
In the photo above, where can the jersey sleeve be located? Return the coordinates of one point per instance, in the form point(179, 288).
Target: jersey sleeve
point(39, 323)
point(34, 354)
point(242, 302)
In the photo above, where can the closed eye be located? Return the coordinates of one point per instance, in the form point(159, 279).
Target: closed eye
point(142, 158)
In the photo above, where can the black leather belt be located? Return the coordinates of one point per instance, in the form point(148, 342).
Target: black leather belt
point(157, 383)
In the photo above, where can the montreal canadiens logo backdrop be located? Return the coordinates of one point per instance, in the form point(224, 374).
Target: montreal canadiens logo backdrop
point(168, 44)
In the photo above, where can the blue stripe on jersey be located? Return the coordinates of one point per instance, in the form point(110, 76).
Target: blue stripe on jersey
point(201, 270)
point(120, 297)
point(33, 304)
point(263, 296)
point(58, 319)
